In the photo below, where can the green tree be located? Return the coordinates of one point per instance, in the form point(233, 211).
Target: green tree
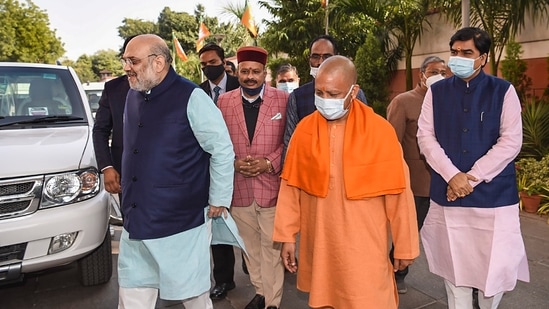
point(296, 23)
point(403, 21)
point(88, 68)
point(184, 26)
point(190, 69)
point(502, 19)
point(83, 68)
point(25, 34)
point(131, 27)
point(235, 11)
point(106, 60)
point(373, 76)
point(513, 69)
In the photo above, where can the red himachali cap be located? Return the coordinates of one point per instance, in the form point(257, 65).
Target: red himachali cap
point(251, 53)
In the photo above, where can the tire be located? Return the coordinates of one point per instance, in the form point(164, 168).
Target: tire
point(96, 267)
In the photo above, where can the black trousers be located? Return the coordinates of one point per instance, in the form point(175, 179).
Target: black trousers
point(223, 258)
point(422, 208)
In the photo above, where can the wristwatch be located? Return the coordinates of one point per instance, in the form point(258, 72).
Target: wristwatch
point(270, 168)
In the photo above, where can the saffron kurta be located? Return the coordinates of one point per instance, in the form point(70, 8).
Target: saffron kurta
point(344, 244)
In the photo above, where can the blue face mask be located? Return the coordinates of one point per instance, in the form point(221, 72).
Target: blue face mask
point(462, 67)
point(252, 91)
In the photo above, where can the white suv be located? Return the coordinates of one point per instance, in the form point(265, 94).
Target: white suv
point(53, 209)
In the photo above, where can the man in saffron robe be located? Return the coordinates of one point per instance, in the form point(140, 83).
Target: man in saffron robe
point(346, 189)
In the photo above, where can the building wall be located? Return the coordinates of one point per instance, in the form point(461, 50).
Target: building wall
point(534, 39)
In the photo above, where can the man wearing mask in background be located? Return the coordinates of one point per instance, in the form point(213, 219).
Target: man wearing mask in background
point(403, 113)
point(287, 78)
point(302, 100)
point(212, 62)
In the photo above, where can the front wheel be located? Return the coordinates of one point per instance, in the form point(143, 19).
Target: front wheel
point(96, 267)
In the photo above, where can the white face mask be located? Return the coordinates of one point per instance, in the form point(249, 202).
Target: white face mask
point(432, 79)
point(288, 87)
point(314, 71)
point(332, 109)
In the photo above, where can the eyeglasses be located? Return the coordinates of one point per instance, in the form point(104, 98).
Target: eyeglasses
point(317, 57)
point(131, 61)
point(442, 73)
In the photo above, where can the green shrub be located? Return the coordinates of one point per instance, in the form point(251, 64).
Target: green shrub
point(513, 69)
point(535, 127)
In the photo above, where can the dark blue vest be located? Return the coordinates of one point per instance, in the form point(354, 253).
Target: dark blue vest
point(467, 122)
point(305, 99)
point(165, 171)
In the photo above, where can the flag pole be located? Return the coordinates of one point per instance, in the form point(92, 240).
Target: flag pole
point(173, 52)
point(326, 18)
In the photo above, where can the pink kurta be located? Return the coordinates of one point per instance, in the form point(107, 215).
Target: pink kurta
point(344, 244)
point(468, 246)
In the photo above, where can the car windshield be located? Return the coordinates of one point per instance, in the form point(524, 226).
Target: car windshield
point(32, 92)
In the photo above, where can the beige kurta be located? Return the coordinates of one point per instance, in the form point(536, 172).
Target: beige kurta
point(344, 244)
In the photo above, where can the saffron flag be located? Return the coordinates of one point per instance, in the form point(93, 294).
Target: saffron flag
point(178, 49)
point(248, 20)
point(203, 33)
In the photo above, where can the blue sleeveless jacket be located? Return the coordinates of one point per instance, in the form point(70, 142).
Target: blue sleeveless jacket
point(467, 122)
point(165, 184)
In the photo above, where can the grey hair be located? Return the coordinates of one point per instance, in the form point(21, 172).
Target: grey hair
point(286, 68)
point(429, 60)
point(162, 50)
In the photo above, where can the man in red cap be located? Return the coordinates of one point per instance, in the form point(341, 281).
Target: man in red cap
point(255, 114)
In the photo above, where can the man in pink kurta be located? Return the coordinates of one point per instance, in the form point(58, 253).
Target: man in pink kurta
point(345, 189)
point(470, 132)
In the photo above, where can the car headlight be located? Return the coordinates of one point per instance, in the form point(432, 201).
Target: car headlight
point(67, 188)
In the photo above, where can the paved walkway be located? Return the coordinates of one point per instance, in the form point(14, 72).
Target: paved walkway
point(426, 290)
point(60, 289)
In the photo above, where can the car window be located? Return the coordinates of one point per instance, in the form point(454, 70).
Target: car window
point(38, 92)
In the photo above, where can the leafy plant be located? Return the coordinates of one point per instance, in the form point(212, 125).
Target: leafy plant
point(544, 206)
point(533, 175)
point(373, 77)
point(535, 126)
point(513, 69)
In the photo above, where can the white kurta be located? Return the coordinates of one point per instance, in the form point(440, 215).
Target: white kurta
point(469, 246)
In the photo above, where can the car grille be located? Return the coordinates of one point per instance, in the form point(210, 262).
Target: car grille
point(16, 188)
point(12, 252)
point(19, 197)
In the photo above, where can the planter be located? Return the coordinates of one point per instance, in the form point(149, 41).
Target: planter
point(530, 203)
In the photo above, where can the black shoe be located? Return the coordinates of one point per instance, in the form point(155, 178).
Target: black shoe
point(258, 302)
point(402, 288)
point(220, 291)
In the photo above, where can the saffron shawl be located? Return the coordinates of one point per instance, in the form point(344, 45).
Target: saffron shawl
point(372, 155)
